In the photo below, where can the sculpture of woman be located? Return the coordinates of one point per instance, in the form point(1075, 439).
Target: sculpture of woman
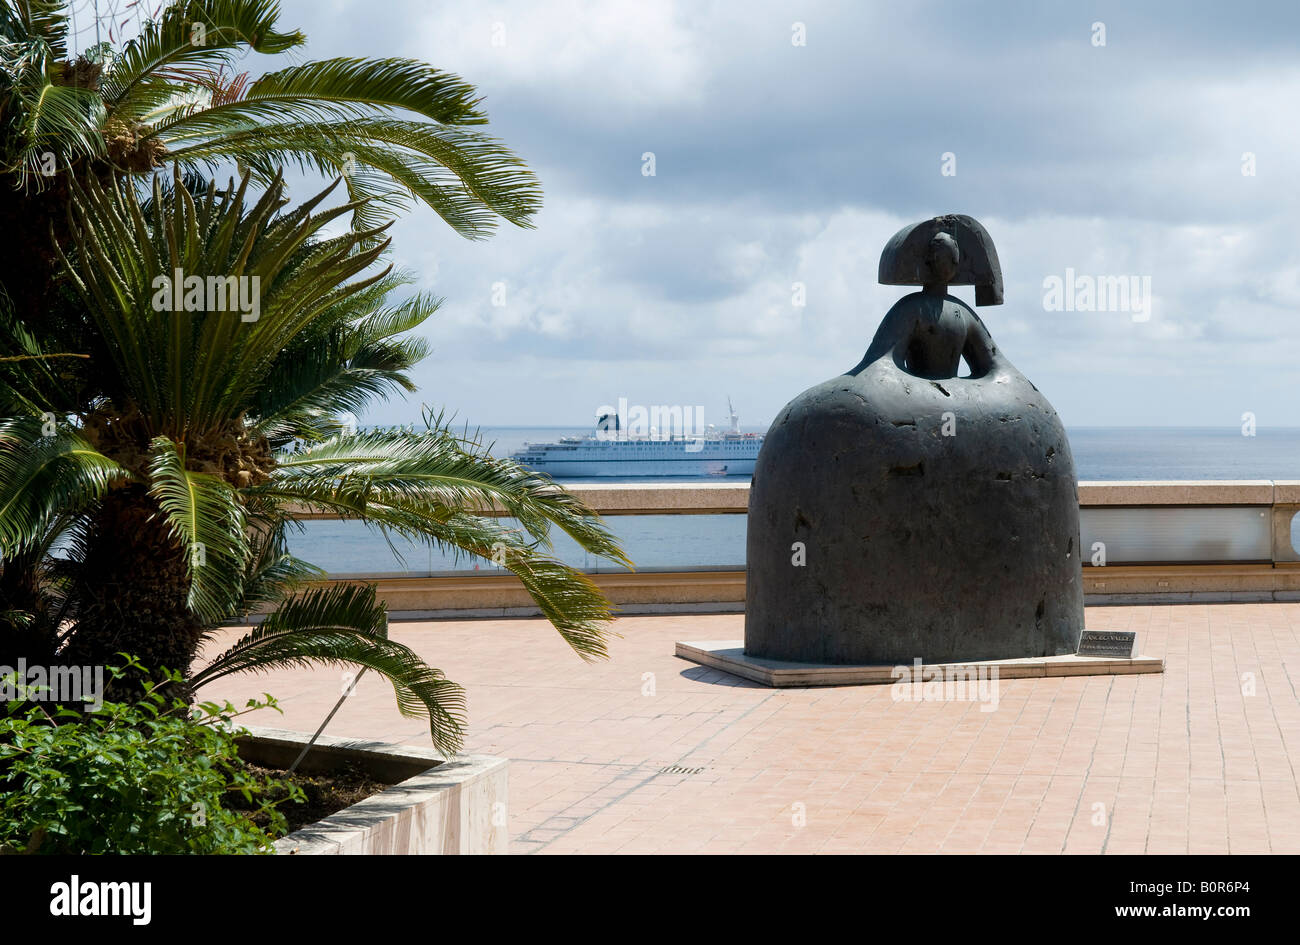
point(904, 510)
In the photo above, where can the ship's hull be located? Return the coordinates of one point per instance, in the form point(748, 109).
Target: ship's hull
point(573, 458)
point(686, 466)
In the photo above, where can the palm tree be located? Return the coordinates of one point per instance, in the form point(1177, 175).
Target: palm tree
point(397, 129)
point(146, 490)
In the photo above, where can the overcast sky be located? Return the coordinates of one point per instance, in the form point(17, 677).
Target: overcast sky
point(778, 163)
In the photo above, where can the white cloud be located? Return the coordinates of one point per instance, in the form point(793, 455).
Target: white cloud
point(780, 165)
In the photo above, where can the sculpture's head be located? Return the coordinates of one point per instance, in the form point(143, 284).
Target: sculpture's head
point(949, 250)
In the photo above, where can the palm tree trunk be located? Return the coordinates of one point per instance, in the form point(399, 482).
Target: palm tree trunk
point(133, 587)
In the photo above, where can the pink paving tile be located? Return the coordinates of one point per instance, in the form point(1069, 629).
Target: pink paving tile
point(1200, 759)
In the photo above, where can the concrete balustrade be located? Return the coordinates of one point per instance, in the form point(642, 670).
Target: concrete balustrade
point(1212, 541)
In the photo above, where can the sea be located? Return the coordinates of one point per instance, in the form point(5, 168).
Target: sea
point(686, 542)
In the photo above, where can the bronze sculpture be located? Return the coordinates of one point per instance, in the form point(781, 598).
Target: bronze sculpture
point(902, 510)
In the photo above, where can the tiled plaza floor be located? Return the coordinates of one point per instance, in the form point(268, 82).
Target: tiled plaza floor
point(650, 753)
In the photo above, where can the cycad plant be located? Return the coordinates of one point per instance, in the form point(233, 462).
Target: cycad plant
point(179, 407)
point(398, 129)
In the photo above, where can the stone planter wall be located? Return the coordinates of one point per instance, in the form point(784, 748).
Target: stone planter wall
point(439, 807)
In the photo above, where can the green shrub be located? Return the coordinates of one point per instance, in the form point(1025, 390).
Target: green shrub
point(145, 777)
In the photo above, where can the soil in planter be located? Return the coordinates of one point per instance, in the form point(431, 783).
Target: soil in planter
point(327, 793)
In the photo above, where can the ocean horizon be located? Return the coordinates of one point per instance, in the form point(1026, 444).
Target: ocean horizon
point(1101, 453)
point(703, 541)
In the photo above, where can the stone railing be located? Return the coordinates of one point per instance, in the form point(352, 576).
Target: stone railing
point(1181, 541)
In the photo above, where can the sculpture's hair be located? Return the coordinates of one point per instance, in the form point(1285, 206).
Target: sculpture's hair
point(910, 258)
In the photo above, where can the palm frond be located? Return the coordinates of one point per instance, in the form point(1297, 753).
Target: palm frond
point(169, 43)
point(336, 90)
point(272, 573)
point(62, 124)
point(425, 487)
point(206, 517)
point(43, 476)
point(45, 21)
point(354, 361)
point(470, 179)
point(198, 370)
point(32, 373)
point(570, 600)
point(344, 624)
point(433, 471)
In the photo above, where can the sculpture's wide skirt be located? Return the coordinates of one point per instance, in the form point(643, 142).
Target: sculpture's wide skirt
point(894, 518)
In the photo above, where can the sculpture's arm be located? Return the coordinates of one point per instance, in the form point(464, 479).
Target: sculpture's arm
point(980, 351)
point(894, 331)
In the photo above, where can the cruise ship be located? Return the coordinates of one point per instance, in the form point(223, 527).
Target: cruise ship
point(612, 451)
